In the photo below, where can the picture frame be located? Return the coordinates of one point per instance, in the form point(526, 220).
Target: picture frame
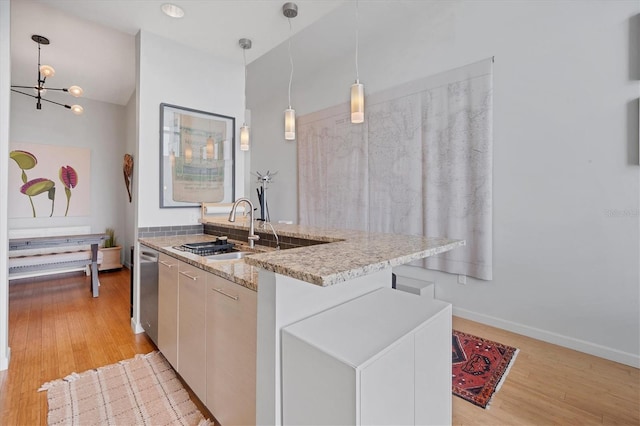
point(197, 157)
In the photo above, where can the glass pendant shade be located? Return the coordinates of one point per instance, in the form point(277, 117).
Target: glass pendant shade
point(47, 71)
point(75, 91)
point(244, 138)
point(357, 102)
point(290, 124)
point(77, 109)
point(172, 158)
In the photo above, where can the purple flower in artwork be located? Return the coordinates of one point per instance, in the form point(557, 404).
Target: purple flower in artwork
point(69, 178)
point(38, 186)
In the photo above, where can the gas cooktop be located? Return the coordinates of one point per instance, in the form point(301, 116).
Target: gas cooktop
point(207, 248)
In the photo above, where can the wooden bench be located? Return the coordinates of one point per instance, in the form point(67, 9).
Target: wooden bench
point(47, 251)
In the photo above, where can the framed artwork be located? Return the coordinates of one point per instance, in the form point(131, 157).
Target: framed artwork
point(48, 181)
point(197, 157)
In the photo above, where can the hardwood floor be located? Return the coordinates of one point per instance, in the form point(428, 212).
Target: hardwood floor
point(56, 327)
point(552, 385)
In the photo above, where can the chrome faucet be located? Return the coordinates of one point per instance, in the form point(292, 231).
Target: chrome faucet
point(232, 218)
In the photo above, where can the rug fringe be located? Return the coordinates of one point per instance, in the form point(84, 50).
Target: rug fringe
point(138, 356)
point(48, 385)
point(75, 376)
point(72, 377)
point(504, 376)
point(205, 422)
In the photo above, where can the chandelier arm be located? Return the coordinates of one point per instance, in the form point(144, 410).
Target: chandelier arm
point(22, 93)
point(24, 87)
point(41, 98)
point(57, 103)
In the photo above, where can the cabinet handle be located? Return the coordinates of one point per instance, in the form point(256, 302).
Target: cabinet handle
point(189, 276)
point(219, 290)
point(168, 265)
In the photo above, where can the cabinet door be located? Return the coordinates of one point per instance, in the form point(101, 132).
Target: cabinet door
point(168, 308)
point(192, 293)
point(387, 387)
point(231, 352)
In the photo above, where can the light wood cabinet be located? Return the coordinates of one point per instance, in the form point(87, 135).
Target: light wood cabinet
point(231, 352)
point(168, 308)
point(382, 358)
point(207, 332)
point(192, 297)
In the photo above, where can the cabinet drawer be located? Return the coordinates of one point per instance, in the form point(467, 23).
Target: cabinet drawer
point(231, 352)
point(192, 289)
point(168, 308)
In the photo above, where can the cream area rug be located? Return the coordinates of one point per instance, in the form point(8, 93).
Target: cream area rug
point(139, 391)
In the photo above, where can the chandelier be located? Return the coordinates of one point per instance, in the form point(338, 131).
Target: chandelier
point(45, 71)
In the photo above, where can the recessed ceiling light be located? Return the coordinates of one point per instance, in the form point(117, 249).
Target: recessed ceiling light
point(172, 10)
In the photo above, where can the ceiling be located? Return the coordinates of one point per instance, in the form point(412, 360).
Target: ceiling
point(93, 41)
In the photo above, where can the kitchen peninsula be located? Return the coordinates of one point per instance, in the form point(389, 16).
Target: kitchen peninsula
point(299, 282)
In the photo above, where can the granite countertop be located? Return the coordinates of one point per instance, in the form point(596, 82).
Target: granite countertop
point(236, 271)
point(348, 254)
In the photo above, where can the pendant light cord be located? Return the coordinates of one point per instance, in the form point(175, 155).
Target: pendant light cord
point(357, 42)
point(290, 60)
point(244, 58)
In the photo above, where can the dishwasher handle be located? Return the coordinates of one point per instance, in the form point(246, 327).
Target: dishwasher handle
point(149, 256)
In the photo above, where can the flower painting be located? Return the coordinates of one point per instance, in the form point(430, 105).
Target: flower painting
point(37, 171)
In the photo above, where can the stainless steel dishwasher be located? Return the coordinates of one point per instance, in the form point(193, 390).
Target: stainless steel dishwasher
point(148, 265)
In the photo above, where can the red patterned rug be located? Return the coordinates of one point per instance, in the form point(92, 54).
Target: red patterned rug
point(479, 367)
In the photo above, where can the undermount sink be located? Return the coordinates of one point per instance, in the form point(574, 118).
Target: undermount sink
point(223, 257)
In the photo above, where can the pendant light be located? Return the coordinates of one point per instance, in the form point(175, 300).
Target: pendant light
point(357, 89)
point(290, 10)
point(245, 44)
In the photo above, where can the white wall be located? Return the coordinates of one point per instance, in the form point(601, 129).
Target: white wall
point(168, 72)
point(566, 173)
point(101, 129)
point(5, 105)
point(129, 207)
point(176, 74)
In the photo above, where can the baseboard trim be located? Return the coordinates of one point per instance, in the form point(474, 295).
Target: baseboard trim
point(136, 327)
point(550, 337)
point(4, 361)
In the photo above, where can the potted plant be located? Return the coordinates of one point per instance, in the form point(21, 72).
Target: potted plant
point(110, 252)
